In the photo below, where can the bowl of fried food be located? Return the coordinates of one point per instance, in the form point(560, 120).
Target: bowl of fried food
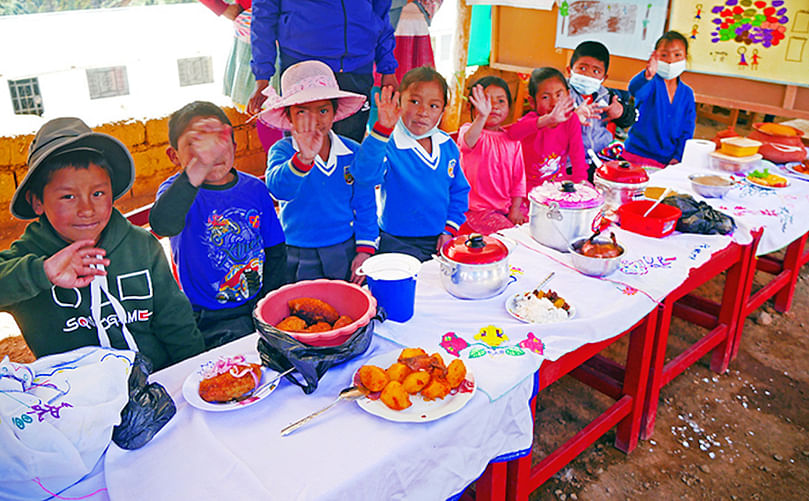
point(412, 386)
point(316, 312)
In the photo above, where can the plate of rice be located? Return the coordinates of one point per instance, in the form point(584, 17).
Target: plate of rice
point(539, 307)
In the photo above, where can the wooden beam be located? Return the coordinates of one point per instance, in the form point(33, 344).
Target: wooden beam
point(452, 116)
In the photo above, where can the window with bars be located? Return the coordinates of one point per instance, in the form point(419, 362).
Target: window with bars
point(25, 96)
point(195, 70)
point(107, 82)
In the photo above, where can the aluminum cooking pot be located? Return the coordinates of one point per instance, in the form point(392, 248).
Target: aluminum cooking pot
point(562, 212)
point(474, 266)
point(620, 182)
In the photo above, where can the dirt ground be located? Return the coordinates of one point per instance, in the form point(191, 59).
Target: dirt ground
point(734, 436)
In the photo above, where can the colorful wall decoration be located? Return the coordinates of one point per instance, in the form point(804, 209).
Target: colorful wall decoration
point(628, 28)
point(759, 39)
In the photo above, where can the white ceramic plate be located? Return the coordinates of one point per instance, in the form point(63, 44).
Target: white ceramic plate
point(191, 388)
point(421, 411)
point(511, 308)
point(763, 187)
point(790, 167)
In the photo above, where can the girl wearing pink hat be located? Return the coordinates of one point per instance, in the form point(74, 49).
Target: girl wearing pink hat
point(329, 220)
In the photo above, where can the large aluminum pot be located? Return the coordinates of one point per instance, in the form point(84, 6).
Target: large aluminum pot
point(562, 212)
point(620, 182)
point(474, 266)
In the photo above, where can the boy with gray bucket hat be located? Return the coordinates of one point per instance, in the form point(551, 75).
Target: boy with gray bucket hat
point(81, 274)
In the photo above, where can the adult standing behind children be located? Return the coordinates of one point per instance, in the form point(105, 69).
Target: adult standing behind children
point(424, 193)
point(350, 37)
point(81, 274)
point(226, 240)
point(550, 135)
point(596, 105)
point(329, 219)
point(667, 113)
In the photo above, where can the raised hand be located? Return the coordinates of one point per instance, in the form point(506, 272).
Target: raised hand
point(615, 109)
point(71, 266)
point(481, 102)
point(651, 66)
point(562, 110)
point(586, 111)
point(308, 137)
point(387, 104)
point(209, 143)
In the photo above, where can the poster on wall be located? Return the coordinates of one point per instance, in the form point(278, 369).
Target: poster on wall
point(758, 39)
point(628, 28)
point(523, 4)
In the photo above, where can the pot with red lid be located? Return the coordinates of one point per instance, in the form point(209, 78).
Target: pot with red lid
point(620, 182)
point(562, 212)
point(474, 266)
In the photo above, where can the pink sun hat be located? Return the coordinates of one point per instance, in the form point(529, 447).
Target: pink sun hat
point(305, 82)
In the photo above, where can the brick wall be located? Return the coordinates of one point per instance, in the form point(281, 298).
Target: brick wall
point(146, 140)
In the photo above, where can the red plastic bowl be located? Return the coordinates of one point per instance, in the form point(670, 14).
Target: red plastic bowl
point(347, 298)
point(659, 223)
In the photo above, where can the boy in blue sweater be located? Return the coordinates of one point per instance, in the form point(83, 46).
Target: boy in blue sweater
point(329, 220)
point(226, 240)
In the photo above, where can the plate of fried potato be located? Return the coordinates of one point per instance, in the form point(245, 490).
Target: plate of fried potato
point(226, 383)
point(413, 386)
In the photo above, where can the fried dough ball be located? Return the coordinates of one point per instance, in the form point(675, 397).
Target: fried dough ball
point(313, 310)
point(292, 324)
point(395, 396)
point(318, 327)
point(416, 381)
point(342, 321)
point(226, 386)
point(438, 388)
point(456, 372)
point(411, 353)
point(398, 372)
point(373, 378)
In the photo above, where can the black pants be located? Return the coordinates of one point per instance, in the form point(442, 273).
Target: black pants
point(220, 327)
point(354, 126)
point(421, 248)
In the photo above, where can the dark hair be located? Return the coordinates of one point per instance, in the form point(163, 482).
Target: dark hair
point(334, 103)
point(488, 81)
point(424, 74)
point(77, 159)
point(672, 36)
point(539, 75)
point(590, 48)
point(180, 119)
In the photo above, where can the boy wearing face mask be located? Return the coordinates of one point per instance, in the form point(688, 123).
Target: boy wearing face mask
point(596, 106)
point(666, 110)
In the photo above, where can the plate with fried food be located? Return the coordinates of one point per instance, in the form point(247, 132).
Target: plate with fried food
point(539, 307)
point(412, 386)
point(799, 169)
point(228, 383)
point(765, 179)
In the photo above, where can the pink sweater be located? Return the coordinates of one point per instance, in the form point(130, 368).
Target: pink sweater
point(494, 168)
point(546, 150)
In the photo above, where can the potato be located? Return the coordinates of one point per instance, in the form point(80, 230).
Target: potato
point(373, 378)
point(395, 397)
point(398, 372)
point(438, 388)
point(415, 381)
point(456, 372)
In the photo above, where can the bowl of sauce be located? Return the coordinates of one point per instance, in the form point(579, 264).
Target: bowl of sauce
point(711, 185)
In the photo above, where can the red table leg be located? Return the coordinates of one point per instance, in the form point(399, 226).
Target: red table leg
point(792, 265)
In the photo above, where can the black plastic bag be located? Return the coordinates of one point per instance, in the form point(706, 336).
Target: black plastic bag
point(149, 408)
point(699, 217)
point(280, 351)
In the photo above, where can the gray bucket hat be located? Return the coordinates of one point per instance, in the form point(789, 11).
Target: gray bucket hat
point(64, 135)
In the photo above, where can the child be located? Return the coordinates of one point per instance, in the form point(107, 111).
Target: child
point(329, 219)
point(226, 240)
point(423, 192)
point(551, 135)
point(667, 113)
point(596, 105)
point(493, 163)
point(82, 275)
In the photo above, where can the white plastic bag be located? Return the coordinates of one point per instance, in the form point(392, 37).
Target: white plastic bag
point(57, 416)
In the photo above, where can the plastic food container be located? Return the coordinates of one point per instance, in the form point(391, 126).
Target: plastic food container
point(739, 146)
point(659, 223)
point(726, 163)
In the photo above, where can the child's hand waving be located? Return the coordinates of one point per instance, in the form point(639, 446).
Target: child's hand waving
point(387, 104)
point(308, 137)
point(615, 109)
point(481, 102)
point(208, 141)
point(561, 111)
point(651, 66)
point(71, 266)
point(586, 111)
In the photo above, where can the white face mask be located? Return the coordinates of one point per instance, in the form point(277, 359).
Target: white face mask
point(670, 71)
point(429, 133)
point(583, 84)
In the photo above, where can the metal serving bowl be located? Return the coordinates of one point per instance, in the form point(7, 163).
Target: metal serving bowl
point(711, 190)
point(593, 266)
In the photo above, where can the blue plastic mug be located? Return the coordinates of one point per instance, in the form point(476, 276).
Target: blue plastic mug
point(391, 278)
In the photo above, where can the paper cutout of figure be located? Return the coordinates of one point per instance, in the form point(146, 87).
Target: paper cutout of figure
point(699, 11)
point(741, 51)
point(754, 60)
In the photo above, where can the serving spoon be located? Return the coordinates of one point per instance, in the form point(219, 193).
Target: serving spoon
point(350, 393)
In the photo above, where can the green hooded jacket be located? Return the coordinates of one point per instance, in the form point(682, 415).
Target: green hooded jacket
point(55, 320)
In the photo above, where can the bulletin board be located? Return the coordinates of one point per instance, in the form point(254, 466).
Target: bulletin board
point(758, 39)
point(523, 39)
